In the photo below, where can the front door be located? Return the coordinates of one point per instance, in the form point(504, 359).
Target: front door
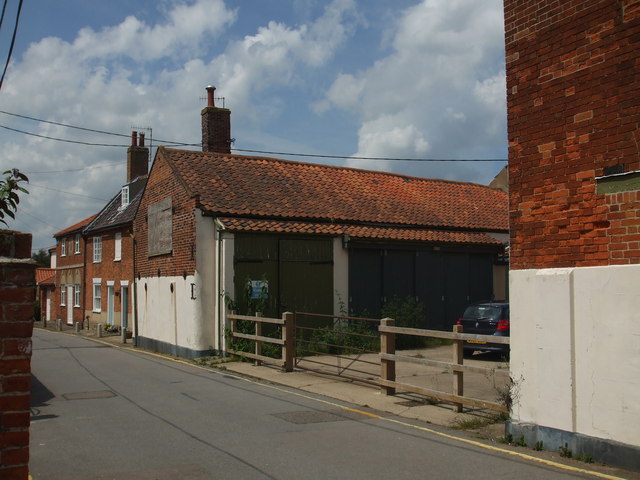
point(69, 304)
point(124, 306)
point(48, 307)
point(110, 299)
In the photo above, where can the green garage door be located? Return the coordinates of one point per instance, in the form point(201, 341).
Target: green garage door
point(299, 272)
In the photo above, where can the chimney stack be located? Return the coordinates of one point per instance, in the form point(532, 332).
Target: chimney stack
point(216, 126)
point(137, 158)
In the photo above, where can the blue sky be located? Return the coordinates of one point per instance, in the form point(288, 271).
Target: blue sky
point(373, 78)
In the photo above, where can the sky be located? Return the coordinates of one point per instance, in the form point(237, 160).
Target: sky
point(351, 78)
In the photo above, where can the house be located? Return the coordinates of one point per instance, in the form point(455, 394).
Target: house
point(214, 226)
point(69, 278)
point(109, 258)
point(573, 90)
point(46, 288)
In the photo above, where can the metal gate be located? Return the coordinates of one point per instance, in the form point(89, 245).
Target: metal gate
point(347, 347)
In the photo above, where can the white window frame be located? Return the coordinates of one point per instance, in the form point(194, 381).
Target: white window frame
point(117, 247)
point(63, 247)
point(124, 197)
point(77, 244)
point(97, 299)
point(63, 295)
point(76, 295)
point(97, 249)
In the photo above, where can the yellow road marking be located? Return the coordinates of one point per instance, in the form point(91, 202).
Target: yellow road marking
point(484, 446)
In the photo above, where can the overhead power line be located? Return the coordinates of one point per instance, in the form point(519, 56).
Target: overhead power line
point(68, 193)
point(348, 157)
point(184, 144)
point(13, 41)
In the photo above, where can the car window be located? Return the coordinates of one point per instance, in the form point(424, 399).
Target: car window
point(482, 311)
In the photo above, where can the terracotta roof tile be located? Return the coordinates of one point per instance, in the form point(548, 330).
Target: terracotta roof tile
point(361, 232)
point(45, 276)
point(239, 185)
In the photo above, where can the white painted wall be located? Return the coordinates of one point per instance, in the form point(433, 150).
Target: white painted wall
point(225, 253)
point(575, 350)
point(206, 279)
point(340, 277)
point(169, 317)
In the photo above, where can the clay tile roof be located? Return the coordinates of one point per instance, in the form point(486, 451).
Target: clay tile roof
point(361, 232)
point(244, 186)
point(45, 276)
point(76, 227)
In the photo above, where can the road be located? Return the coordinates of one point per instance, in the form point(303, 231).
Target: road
point(106, 413)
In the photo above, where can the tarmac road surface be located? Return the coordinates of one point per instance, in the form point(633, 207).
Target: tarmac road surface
point(105, 413)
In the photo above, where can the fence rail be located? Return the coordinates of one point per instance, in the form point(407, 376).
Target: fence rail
point(387, 357)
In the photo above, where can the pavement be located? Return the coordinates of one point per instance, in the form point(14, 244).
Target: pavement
point(403, 404)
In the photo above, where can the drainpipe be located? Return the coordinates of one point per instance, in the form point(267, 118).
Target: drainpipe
point(135, 293)
point(220, 299)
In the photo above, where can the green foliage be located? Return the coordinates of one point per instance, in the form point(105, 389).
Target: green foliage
point(407, 313)
point(585, 457)
point(9, 199)
point(42, 258)
point(538, 447)
point(508, 438)
point(565, 451)
point(346, 337)
point(251, 307)
point(520, 442)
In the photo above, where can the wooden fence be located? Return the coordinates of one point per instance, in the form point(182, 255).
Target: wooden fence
point(388, 357)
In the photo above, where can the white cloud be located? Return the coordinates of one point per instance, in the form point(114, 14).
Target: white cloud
point(140, 73)
point(440, 91)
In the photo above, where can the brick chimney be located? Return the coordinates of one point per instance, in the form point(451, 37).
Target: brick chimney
point(137, 158)
point(216, 126)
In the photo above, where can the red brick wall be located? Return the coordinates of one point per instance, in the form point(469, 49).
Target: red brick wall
point(69, 266)
point(573, 90)
point(109, 269)
point(163, 182)
point(17, 296)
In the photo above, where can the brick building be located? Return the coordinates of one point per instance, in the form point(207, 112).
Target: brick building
point(69, 279)
point(210, 222)
point(109, 259)
point(573, 87)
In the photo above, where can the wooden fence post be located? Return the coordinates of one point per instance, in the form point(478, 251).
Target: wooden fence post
point(388, 345)
point(289, 339)
point(458, 359)
point(258, 349)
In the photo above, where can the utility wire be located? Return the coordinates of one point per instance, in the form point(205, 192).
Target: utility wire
point(183, 144)
point(62, 139)
point(68, 193)
point(375, 158)
point(90, 167)
point(13, 41)
point(4, 9)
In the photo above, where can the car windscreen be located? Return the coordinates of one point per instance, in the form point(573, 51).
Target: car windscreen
point(477, 312)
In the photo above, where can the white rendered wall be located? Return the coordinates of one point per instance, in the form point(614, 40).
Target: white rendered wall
point(206, 280)
point(169, 317)
point(575, 350)
point(225, 252)
point(340, 278)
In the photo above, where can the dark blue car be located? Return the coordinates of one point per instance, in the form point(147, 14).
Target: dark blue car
point(489, 318)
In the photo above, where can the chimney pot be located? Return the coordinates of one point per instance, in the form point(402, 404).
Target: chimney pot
point(141, 143)
point(134, 139)
point(210, 95)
